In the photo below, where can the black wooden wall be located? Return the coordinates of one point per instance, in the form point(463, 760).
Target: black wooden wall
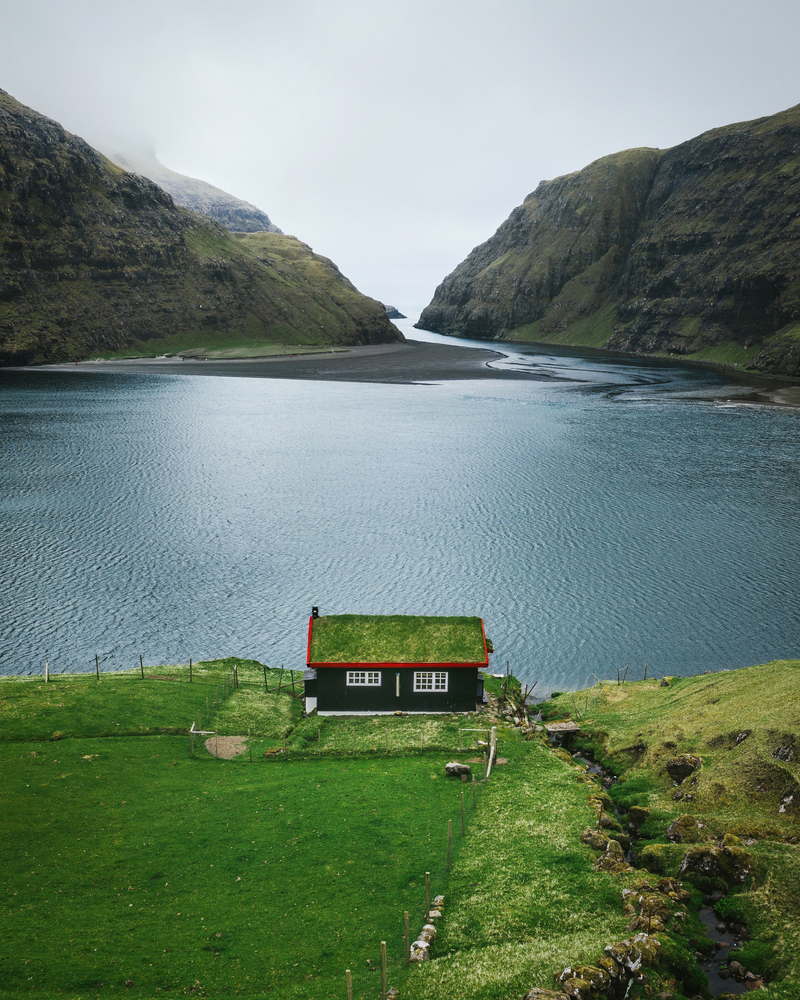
point(333, 694)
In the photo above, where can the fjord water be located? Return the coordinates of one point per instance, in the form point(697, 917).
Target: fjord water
point(617, 513)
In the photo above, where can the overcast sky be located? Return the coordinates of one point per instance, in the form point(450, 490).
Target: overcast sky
point(395, 135)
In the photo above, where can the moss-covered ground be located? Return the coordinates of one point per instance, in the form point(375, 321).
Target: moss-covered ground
point(743, 725)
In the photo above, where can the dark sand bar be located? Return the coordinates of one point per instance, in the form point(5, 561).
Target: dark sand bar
point(405, 363)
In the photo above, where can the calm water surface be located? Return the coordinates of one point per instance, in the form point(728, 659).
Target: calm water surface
point(617, 514)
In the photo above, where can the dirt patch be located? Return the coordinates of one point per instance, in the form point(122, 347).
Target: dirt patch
point(226, 747)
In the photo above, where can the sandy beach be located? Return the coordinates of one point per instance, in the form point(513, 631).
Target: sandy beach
point(405, 363)
point(409, 362)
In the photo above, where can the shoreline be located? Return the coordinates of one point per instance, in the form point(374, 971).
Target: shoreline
point(409, 362)
point(403, 362)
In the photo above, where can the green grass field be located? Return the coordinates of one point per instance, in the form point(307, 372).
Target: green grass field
point(131, 867)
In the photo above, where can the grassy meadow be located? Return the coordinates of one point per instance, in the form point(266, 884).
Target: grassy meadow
point(131, 867)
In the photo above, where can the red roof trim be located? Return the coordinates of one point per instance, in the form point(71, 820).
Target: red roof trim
point(384, 663)
point(308, 651)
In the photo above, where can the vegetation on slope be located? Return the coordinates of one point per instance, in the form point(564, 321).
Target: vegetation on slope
point(94, 260)
point(742, 726)
point(653, 252)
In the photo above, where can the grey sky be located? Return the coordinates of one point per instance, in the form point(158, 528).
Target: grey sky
point(395, 135)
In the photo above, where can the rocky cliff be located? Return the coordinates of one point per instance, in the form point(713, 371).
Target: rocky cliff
point(95, 259)
point(230, 212)
point(691, 251)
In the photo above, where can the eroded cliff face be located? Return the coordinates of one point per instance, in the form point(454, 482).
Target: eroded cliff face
point(230, 212)
point(93, 258)
point(677, 251)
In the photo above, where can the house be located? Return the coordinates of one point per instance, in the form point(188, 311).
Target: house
point(381, 664)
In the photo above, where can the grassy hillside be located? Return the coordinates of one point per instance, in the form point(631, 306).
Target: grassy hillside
point(743, 728)
point(690, 251)
point(96, 261)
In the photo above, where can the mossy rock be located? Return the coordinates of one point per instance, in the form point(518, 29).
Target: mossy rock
point(711, 867)
point(661, 859)
point(687, 830)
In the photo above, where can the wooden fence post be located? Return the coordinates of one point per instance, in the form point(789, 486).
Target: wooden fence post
point(266, 686)
point(47, 671)
point(280, 680)
point(190, 670)
point(97, 666)
point(141, 665)
point(383, 970)
point(349, 979)
point(427, 896)
point(645, 670)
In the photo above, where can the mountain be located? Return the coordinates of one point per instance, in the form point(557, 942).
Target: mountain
point(97, 260)
point(230, 212)
point(692, 251)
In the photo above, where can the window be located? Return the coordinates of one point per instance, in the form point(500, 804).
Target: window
point(363, 678)
point(430, 680)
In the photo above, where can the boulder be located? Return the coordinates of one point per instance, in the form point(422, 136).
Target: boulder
point(596, 839)
point(612, 859)
point(420, 951)
point(584, 982)
point(706, 863)
point(636, 816)
point(636, 953)
point(679, 768)
point(455, 770)
point(686, 830)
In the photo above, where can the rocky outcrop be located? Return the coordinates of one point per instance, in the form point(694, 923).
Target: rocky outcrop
point(651, 252)
point(229, 211)
point(94, 259)
point(679, 768)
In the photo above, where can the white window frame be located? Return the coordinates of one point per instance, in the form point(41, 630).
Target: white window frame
point(431, 681)
point(364, 678)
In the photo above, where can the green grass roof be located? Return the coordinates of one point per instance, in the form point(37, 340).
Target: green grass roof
point(396, 639)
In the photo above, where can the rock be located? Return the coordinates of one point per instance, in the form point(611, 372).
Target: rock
point(438, 902)
point(420, 951)
point(455, 770)
point(736, 969)
point(678, 795)
point(637, 816)
point(596, 839)
point(612, 859)
point(679, 768)
point(705, 863)
point(686, 830)
point(584, 982)
point(664, 683)
point(539, 994)
point(428, 934)
point(608, 821)
point(634, 954)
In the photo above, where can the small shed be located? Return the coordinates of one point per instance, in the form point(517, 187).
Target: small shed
point(382, 664)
